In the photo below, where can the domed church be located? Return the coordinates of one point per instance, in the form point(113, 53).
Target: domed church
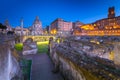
point(36, 28)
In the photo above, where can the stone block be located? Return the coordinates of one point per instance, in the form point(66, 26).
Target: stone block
point(29, 47)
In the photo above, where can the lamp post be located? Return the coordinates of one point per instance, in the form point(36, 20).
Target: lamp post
point(61, 33)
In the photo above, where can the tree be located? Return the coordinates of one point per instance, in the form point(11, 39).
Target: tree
point(10, 32)
point(0, 25)
point(3, 27)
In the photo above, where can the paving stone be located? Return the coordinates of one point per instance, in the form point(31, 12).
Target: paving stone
point(42, 68)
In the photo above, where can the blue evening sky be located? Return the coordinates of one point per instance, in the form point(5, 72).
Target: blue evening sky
point(86, 11)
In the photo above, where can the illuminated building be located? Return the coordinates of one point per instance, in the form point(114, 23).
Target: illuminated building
point(77, 24)
point(36, 28)
point(45, 31)
point(59, 26)
point(107, 26)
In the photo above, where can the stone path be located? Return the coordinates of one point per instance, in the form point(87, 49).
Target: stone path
point(42, 68)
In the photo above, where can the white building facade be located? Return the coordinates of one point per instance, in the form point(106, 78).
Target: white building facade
point(6, 23)
point(36, 28)
point(21, 31)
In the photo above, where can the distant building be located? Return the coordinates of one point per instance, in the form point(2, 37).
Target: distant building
point(111, 22)
point(59, 26)
point(18, 30)
point(46, 30)
point(77, 24)
point(107, 26)
point(36, 28)
point(6, 23)
point(111, 12)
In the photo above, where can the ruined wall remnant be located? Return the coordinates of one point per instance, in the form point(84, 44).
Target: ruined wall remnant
point(29, 47)
point(117, 53)
point(9, 66)
point(78, 65)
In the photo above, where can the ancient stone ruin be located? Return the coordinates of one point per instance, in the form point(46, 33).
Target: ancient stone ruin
point(29, 47)
point(9, 64)
point(117, 53)
point(78, 65)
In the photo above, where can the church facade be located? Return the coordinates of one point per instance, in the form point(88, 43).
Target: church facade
point(36, 28)
point(6, 23)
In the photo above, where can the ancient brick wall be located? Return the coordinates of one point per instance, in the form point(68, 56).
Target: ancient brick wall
point(80, 66)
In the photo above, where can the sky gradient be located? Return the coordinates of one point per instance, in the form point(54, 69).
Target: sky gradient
point(86, 11)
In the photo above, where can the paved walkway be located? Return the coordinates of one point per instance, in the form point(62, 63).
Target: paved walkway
point(42, 68)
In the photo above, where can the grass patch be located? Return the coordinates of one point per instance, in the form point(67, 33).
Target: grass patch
point(19, 46)
point(26, 68)
point(42, 47)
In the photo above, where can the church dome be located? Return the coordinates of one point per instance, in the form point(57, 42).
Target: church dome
point(37, 21)
point(36, 28)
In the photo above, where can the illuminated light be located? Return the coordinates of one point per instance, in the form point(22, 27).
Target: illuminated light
point(114, 27)
point(94, 24)
point(98, 43)
point(45, 42)
point(58, 40)
point(112, 12)
point(93, 41)
point(53, 31)
point(111, 55)
point(87, 27)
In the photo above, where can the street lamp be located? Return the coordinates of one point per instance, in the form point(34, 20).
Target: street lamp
point(60, 33)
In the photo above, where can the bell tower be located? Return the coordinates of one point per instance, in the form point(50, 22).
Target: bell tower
point(111, 12)
point(6, 23)
point(21, 25)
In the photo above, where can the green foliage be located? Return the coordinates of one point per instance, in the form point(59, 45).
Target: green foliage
point(26, 68)
point(2, 26)
point(42, 47)
point(19, 46)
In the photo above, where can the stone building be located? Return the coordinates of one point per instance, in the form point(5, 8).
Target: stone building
point(111, 22)
point(6, 23)
point(36, 28)
point(21, 31)
point(77, 24)
point(107, 26)
point(59, 26)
